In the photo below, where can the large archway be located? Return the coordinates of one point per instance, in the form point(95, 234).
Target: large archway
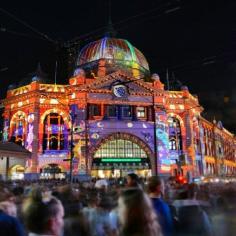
point(52, 171)
point(120, 153)
point(16, 172)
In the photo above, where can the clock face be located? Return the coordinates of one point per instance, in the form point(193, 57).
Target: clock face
point(119, 90)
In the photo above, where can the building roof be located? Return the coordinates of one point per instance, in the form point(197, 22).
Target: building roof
point(119, 50)
point(9, 149)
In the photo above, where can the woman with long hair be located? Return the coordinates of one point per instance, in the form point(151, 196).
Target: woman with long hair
point(136, 214)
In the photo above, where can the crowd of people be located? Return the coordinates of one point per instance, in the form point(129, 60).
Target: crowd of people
point(117, 207)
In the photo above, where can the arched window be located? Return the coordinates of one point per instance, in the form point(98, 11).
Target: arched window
point(120, 148)
point(120, 154)
point(19, 126)
point(175, 138)
point(55, 132)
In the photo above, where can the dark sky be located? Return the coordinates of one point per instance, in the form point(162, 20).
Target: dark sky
point(194, 39)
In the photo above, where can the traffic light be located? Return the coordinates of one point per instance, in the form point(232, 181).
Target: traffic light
point(181, 179)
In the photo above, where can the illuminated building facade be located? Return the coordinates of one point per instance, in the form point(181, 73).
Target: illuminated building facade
point(122, 120)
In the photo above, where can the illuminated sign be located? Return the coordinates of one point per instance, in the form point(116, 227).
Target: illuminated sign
point(121, 160)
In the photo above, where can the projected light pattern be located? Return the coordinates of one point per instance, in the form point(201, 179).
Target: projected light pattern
point(6, 130)
point(30, 135)
point(162, 142)
point(115, 49)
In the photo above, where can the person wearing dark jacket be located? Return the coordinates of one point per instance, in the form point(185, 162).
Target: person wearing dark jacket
point(10, 226)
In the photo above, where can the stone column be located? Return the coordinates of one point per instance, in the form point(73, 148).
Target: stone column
point(35, 144)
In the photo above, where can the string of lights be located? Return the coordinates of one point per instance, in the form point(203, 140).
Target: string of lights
point(27, 25)
point(161, 9)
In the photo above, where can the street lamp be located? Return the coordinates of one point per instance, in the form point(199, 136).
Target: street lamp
point(72, 117)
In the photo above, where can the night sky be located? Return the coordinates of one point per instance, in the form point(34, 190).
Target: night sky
point(194, 39)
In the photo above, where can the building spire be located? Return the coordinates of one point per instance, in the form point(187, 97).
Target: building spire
point(38, 69)
point(55, 74)
point(167, 79)
point(38, 75)
point(39, 72)
point(110, 31)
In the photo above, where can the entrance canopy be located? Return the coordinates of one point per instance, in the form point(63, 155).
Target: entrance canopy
point(12, 155)
point(9, 149)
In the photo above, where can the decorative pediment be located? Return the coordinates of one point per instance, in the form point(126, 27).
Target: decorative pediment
point(105, 84)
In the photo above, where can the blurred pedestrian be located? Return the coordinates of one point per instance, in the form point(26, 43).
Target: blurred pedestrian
point(133, 181)
point(77, 226)
point(136, 214)
point(156, 191)
point(43, 216)
point(9, 224)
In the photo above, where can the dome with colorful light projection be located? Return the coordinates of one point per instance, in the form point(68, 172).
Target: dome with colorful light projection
point(119, 52)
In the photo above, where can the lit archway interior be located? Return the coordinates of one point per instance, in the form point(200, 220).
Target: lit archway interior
point(122, 152)
point(17, 172)
point(52, 171)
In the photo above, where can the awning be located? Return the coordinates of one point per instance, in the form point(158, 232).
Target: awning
point(9, 149)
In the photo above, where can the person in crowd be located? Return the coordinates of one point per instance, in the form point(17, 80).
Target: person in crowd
point(9, 208)
point(100, 219)
point(136, 214)
point(77, 226)
point(170, 189)
point(156, 191)
point(9, 224)
point(69, 197)
point(192, 218)
point(133, 180)
point(43, 215)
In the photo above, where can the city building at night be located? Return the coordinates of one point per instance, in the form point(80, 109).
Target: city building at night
point(114, 117)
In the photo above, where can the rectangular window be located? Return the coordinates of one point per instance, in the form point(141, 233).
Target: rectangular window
point(111, 111)
point(141, 112)
point(172, 144)
point(126, 111)
point(94, 110)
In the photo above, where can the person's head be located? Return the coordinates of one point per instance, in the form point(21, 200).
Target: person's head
point(136, 213)
point(172, 181)
point(132, 180)
point(43, 216)
point(155, 185)
point(77, 226)
point(6, 195)
point(106, 202)
point(9, 208)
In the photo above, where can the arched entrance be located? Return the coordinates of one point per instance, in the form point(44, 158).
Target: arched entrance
point(52, 171)
point(121, 153)
point(16, 172)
